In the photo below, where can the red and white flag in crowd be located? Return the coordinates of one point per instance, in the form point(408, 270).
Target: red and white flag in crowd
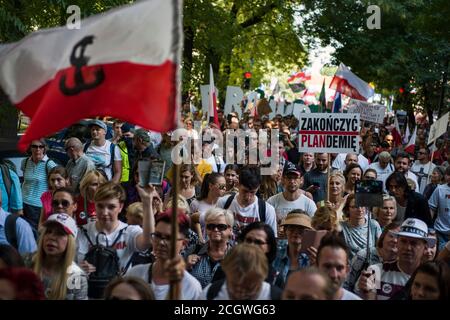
point(407, 134)
point(347, 83)
point(411, 146)
point(396, 133)
point(123, 63)
point(212, 110)
point(300, 76)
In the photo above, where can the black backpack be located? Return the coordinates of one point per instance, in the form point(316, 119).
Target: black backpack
point(214, 289)
point(106, 262)
point(10, 230)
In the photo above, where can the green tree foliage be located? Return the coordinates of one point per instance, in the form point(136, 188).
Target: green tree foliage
point(411, 50)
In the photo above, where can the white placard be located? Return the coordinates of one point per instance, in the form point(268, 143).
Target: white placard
point(329, 132)
point(368, 111)
point(438, 128)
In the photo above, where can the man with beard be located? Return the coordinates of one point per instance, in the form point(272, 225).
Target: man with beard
point(316, 179)
point(384, 280)
point(332, 259)
point(402, 164)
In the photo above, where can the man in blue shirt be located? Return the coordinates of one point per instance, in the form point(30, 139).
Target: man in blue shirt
point(25, 238)
point(12, 201)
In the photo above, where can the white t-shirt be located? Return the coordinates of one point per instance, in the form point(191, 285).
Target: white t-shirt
point(422, 171)
point(264, 294)
point(440, 201)
point(101, 157)
point(249, 214)
point(339, 162)
point(283, 206)
point(349, 295)
point(125, 245)
point(191, 289)
point(214, 160)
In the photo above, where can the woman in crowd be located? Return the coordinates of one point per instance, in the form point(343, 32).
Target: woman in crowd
point(437, 178)
point(270, 185)
point(387, 213)
point(188, 184)
point(370, 174)
point(431, 253)
point(213, 187)
point(386, 251)
point(336, 199)
point(54, 260)
point(262, 235)
point(430, 281)
point(204, 262)
point(352, 173)
point(20, 284)
point(128, 288)
point(57, 178)
point(35, 173)
point(354, 228)
point(290, 255)
point(231, 177)
point(85, 205)
point(325, 219)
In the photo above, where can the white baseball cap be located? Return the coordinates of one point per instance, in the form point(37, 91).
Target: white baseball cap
point(66, 221)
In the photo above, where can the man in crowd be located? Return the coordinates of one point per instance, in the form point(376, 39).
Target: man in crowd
point(10, 189)
point(308, 284)
point(342, 160)
point(440, 204)
point(78, 163)
point(103, 153)
point(401, 164)
point(383, 167)
point(384, 280)
point(315, 181)
point(423, 168)
point(142, 146)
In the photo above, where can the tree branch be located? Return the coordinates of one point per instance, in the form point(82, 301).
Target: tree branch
point(258, 16)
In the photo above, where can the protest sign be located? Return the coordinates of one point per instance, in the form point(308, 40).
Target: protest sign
point(233, 100)
point(368, 111)
point(438, 128)
point(332, 133)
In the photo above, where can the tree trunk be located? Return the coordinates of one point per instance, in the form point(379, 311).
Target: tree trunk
point(187, 60)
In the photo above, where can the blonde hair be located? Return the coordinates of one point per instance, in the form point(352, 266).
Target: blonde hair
point(386, 197)
point(88, 178)
point(58, 287)
point(245, 258)
point(182, 203)
point(214, 213)
point(325, 219)
point(338, 176)
point(136, 210)
point(110, 190)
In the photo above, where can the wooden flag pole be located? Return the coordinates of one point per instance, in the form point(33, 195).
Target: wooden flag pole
point(431, 162)
point(328, 177)
point(175, 289)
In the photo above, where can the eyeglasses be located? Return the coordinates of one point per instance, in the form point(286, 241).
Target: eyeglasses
point(160, 237)
point(63, 203)
point(222, 187)
point(36, 146)
point(254, 241)
point(213, 226)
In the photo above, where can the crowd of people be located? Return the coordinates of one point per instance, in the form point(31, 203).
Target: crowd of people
point(88, 229)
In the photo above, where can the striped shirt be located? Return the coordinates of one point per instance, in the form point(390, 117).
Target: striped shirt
point(35, 179)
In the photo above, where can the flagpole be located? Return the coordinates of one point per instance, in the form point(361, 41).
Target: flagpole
point(174, 290)
point(328, 177)
point(431, 162)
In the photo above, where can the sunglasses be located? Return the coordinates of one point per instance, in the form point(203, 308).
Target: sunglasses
point(36, 146)
point(254, 241)
point(63, 203)
point(213, 226)
point(222, 187)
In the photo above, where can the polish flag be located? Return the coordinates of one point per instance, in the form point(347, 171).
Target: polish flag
point(300, 76)
point(347, 83)
point(396, 133)
point(123, 63)
point(407, 134)
point(411, 146)
point(212, 110)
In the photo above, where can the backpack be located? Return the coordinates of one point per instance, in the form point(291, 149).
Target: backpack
point(112, 147)
point(213, 291)
point(46, 165)
point(261, 206)
point(106, 262)
point(5, 166)
point(10, 230)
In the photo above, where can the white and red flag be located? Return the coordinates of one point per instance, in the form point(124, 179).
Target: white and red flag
point(300, 76)
point(123, 63)
point(396, 133)
point(347, 83)
point(212, 107)
point(411, 146)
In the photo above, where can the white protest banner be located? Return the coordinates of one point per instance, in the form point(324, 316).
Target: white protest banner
point(300, 108)
point(204, 92)
point(233, 100)
point(368, 111)
point(329, 132)
point(273, 106)
point(438, 128)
